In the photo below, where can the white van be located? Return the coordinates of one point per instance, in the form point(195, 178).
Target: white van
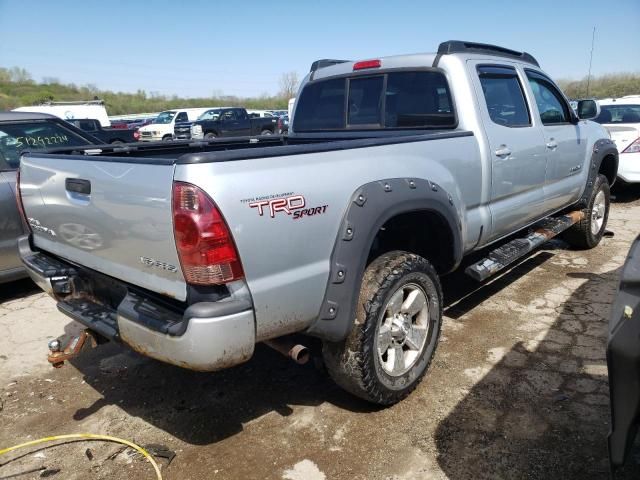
point(93, 109)
point(162, 126)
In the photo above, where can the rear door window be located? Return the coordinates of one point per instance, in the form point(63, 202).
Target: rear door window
point(504, 96)
point(411, 99)
point(17, 137)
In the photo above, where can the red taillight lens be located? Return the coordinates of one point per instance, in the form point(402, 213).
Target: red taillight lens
point(634, 147)
point(206, 250)
point(136, 134)
point(20, 204)
point(366, 64)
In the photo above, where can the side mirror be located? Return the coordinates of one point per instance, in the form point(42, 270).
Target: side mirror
point(588, 109)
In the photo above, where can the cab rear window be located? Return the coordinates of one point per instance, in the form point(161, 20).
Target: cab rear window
point(17, 137)
point(408, 99)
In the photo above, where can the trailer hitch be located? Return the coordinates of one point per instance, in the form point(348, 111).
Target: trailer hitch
point(58, 354)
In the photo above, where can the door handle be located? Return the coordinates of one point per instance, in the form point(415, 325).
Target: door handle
point(551, 144)
point(503, 151)
point(78, 185)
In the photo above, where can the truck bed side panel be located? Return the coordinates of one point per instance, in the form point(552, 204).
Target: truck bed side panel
point(287, 259)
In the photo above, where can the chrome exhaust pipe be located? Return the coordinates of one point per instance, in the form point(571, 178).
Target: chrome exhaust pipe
point(290, 349)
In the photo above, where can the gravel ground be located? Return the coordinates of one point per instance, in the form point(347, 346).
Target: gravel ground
point(518, 389)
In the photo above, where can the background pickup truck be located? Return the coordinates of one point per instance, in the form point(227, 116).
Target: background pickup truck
point(394, 169)
point(105, 135)
point(225, 122)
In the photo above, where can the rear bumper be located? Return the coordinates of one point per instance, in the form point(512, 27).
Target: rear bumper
point(150, 139)
point(629, 167)
point(205, 336)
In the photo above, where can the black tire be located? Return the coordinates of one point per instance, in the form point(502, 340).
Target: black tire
point(167, 138)
point(266, 132)
point(117, 142)
point(210, 136)
point(581, 235)
point(355, 363)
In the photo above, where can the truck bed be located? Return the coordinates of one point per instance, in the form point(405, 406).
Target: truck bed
point(245, 148)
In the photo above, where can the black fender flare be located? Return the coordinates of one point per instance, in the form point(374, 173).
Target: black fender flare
point(370, 207)
point(601, 148)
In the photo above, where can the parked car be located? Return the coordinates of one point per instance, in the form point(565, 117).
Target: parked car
point(72, 110)
point(106, 135)
point(341, 231)
point(621, 117)
point(623, 361)
point(161, 129)
point(226, 122)
point(283, 124)
point(20, 132)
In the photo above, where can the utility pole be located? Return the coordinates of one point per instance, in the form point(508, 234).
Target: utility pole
point(593, 37)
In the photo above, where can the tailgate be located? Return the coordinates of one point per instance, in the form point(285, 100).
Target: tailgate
point(110, 216)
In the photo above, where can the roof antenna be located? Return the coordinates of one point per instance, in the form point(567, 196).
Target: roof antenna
point(593, 36)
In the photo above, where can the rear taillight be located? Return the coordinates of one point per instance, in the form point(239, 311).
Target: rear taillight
point(136, 135)
point(634, 147)
point(207, 253)
point(20, 204)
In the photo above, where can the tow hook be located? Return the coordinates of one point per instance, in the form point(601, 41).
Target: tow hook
point(58, 355)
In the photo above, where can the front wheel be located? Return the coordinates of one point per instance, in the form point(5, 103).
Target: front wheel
point(396, 330)
point(209, 136)
point(167, 138)
point(588, 232)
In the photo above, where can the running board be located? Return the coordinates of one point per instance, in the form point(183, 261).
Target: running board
point(508, 253)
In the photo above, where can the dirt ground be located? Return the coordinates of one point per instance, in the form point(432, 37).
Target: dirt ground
point(518, 390)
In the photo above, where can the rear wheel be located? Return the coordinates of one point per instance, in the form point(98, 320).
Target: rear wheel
point(588, 232)
point(396, 330)
point(266, 132)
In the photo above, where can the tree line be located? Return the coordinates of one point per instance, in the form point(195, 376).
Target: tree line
point(18, 89)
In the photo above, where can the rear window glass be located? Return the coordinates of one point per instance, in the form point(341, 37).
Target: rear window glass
point(321, 106)
point(619, 114)
point(418, 99)
point(15, 138)
point(410, 100)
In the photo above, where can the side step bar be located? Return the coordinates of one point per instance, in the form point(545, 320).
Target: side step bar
point(508, 253)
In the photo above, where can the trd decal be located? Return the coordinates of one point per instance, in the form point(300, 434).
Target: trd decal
point(292, 205)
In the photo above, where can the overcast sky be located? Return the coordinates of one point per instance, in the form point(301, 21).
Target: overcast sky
point(196, 48)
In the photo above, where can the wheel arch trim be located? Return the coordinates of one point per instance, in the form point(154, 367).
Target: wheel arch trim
point(370, 207)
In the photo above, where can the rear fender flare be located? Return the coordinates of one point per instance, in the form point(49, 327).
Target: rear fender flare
point(370, 207)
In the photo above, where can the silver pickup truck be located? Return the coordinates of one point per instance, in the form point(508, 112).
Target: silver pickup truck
point(394, 169)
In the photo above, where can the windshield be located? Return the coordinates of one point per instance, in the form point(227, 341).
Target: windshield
point(165, 117)
point(619, 114)
point(17, 137)
point(210, 114)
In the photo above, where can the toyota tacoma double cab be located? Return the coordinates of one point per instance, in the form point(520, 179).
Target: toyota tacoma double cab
point(225, 122)
point(394, 169)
